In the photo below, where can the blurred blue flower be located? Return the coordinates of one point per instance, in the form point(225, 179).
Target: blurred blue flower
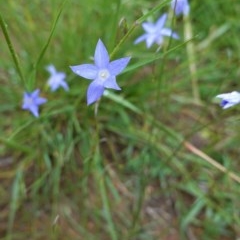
point(229, 99)
point(57, 79)
point(102, 72)
point(31, 101)
point(155, 32)
point(180, 7)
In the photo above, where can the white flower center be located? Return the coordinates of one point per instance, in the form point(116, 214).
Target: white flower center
point(103, 74)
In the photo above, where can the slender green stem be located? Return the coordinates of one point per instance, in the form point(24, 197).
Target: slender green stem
point(11, 49)
point(114, 31)
point(123, 40)
point(106, 207)
point(101, 179)
point(42, 52)
point(191, 57)
point(50, 36)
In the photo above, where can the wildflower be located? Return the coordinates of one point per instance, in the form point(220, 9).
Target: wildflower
point(229, 99)
point(155, 32)
point(31, 101)
point(57, 79)
point(102, 72)
point(180, 7)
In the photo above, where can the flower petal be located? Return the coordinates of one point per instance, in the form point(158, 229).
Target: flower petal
point(225, 104)
point(140, 39)
point(180, 7)
point(94, 92)
point(111, 83)
point(169, 33)
point(150, 40)
point(34, 94)
point(51, 69)
point(34, 110)
point(40, 101)
point(117, 66)
point(233, 96)
point(101, 57)
point(159, 40)
point(161, 21)
point(64, 85)
point(229, 99)
point(88, 71)
point(149, 27)
point(25, 105)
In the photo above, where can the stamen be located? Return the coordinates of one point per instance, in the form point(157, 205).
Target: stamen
point(104, 74)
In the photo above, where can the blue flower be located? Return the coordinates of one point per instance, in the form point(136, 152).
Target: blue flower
point(102, 72)
point(57, 79)
point(155, 32)
point(229, 99)
point(31, 102)
point(180, 7)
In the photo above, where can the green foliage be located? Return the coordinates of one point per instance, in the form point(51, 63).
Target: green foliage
point(148, 162)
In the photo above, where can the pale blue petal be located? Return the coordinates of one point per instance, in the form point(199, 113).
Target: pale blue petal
point(169, 33)
point(226, 105)
point(140, 39)
point(25, 105)
point(64, 85)
point(149, 27)
point(94, 92)
point(159, 40)
point(61, 75)
point(40, 101)
point(175, 35)
point(34, 94)
point(150, 40)
point(180, 7)
point(117, 66)
point(230, 96)
point(101, 57)
point(111, 83)
point(34, 110)
point(53, 87)
point(161, 21)
point(88, 71)
point(229, 99)
point(186, 9)
point(51, 69)
point(53, 84)
point(25, 95)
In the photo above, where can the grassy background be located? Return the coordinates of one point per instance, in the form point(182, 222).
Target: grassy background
point(140, 169)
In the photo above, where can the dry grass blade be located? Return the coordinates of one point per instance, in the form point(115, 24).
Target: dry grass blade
point(213, 162)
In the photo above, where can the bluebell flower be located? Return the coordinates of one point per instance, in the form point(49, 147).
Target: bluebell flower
point(180, 7)
point(155, 32)
point(31, 102)
point(102, 72)
point(229, 99)
point(57, 79)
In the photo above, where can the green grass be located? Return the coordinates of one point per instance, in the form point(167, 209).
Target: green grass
point(153, 163)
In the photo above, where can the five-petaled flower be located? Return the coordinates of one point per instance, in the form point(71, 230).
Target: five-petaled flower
point(229, 99)
point(102, 72)
point(31, 102)
point(180, 7)
point(155, 32)
point(56, 79)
